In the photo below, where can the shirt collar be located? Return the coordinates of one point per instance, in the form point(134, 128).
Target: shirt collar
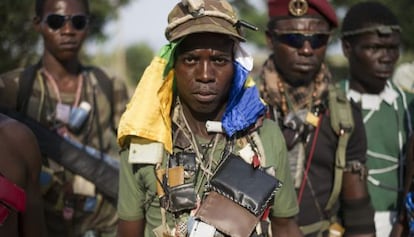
point(373, 101)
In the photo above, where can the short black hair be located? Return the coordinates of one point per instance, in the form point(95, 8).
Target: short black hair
point(40, 6)
point(368, 13)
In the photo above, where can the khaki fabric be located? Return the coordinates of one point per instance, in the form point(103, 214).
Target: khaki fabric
point(137, 193)
point(215, 16)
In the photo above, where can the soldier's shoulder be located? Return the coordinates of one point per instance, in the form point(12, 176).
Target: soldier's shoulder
point(10, 77)
point(12, 74)
point(9, 84)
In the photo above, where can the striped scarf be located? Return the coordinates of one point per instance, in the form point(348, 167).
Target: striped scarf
point(297, 98)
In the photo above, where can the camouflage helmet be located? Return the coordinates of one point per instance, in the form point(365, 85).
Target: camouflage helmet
point(196, 16)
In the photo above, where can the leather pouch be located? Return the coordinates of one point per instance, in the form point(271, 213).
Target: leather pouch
point(227, 216)
point(175, 176)
point(252, 188)
point(182, 197)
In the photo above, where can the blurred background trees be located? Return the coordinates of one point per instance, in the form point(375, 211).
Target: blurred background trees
point(404, 10)
point(20, 45)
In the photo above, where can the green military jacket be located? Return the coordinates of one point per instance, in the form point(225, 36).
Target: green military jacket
point(137, 193)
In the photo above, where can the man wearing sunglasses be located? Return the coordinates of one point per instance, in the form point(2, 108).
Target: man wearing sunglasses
point(77, 102)
point(323, 131)
point(371, 39)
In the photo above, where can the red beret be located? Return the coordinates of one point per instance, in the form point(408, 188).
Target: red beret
point(281, 8)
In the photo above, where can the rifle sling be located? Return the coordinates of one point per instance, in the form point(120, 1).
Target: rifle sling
point(104, 174)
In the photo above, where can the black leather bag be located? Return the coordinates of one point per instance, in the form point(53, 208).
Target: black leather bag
point(182, 197)
point(250, 187)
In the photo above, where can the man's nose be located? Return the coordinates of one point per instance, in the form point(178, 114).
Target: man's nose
point(306, 48)
point(206, 71)
point(67, 26)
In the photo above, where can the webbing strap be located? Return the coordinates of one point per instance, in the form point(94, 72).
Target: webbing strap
point(319, 226)
point(339, 169)
point(343, 124)
point(26, 80)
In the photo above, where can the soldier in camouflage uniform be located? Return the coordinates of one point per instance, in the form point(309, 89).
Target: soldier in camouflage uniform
point(202, 110)
point(48, 92)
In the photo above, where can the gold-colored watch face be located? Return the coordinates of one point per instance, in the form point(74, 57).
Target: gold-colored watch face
point(298, 7)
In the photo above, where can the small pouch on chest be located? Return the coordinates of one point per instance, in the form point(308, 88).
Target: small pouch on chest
point(182, 197)
point(227, 216)
point(251, 188)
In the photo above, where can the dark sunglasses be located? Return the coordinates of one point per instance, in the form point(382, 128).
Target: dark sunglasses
point(56, 21)
point(296, 39)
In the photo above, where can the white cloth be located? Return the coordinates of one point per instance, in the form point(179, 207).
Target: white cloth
point(373, 101)
point(383, 222)
point(404, 76)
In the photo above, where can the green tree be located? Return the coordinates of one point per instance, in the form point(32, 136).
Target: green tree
point(19, 43)
point(138, 57)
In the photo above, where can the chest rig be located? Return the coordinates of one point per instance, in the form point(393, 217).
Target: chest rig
point(297, 129)
point(201, 176)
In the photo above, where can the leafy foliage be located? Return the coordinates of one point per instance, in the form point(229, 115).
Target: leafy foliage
point(138, 57)
point(18, 40)
point(16, 36)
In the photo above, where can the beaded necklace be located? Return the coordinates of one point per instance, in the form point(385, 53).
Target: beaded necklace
point(287, 103)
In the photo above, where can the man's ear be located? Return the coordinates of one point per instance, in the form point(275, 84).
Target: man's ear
point(36, 23)
point(346, 48)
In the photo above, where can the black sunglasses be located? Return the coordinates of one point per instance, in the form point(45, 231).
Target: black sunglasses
point(56, 21)
point(296, 39)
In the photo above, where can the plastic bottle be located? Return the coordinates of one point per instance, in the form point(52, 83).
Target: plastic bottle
point(78, 116)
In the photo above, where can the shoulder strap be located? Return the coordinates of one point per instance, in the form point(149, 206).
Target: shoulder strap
point(26, 80)
point(105, 83)
point(342, 123)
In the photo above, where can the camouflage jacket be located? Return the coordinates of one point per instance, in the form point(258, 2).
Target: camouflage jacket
point(108, 101)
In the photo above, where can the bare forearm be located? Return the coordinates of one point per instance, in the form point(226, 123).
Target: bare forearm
point(285, 227)
point(131, 228)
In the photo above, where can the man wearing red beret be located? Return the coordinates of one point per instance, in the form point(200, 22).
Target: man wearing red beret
point(323, 131)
